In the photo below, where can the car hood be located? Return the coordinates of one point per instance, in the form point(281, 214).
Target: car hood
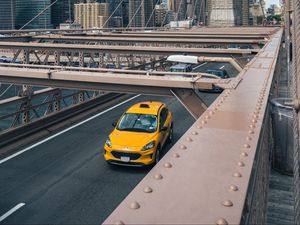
point(134, 139)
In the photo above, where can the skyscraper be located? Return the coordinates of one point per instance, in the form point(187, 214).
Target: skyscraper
point(62, 11)
point(7, 14)
point(27, 10)
point(91, 15)
point(180, 9)
point(228, 12)
point(141, 13)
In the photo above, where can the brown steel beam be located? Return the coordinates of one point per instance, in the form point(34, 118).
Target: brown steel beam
point(18, 99)
point(123, 49)
point(191, 101)
point(149, 39)
point(114, 82)
point(205, 176)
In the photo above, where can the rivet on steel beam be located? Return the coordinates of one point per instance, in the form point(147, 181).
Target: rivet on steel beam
point(221, 101)
point(119, 222)
point(241, 164)
point(158, 176)
point(148, 190)
point(203, 121)
point(215, 108)
point(248, 138)
point(227, 203)
point(237, 174)
point(189, 139)
point(207, 117)
point(244, 154)
point(211, 113)
point(247, 146)
point(199, 126)
point(251, 131)
point(221, 221)
point(254, 121)
point(183, 147)
point(258, 107)
point(135, 205)
point(176, 155)
point(255, 116)
point(194, 133)
point(168, 165)
point(233, 188)
point(255, 113)
point(252, 126)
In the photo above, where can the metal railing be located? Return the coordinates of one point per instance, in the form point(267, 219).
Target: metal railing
point(296, 74)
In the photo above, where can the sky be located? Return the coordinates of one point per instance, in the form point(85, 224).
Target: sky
point(270, 2)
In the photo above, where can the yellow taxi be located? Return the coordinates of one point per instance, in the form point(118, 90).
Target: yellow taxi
point(139, 135)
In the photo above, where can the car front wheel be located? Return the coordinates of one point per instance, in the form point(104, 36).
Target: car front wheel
point(170, 137)
point(157, 155)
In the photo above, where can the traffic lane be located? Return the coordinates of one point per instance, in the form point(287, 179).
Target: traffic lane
point(67, 181)
point(207, 96)
point(203, 67)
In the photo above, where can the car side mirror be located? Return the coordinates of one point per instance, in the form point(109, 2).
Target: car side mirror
point(114, 124)
point(164, 128)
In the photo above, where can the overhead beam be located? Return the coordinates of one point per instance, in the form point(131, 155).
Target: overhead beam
point(114, 82)
point(148, 39)
point(122, 49)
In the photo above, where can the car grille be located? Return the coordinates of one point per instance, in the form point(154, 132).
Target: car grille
point(132, 156)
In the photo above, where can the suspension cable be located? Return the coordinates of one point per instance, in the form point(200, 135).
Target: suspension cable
point(176, 19)
point(200, 5)
point(3, 93)
point(113, 12)
point(152, 13)
point(142, 2)
point(38, 14)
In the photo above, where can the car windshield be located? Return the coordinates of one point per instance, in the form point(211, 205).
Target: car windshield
point(138, 123)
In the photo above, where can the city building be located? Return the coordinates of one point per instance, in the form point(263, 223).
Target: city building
point(256, 13)
point(196, 11)
point(91, 14)
point(228, 12)
point(180, 9)
point(141, 13)
point(62, 11)
point(27, 10)
point(160, 15)
point(7, 14)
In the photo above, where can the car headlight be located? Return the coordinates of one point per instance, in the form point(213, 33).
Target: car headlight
point(108, 142)
point(149, 145)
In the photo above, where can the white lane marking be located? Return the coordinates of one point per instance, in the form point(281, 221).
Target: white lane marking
point(222, 67)
point(200, 65)
point(7, 214)
point(63, 131)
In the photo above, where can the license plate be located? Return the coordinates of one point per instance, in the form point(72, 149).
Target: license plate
point(125, 159)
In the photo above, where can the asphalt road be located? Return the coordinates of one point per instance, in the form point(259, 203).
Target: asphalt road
point(66, 180)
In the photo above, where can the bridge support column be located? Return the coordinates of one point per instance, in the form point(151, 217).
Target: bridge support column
point(81, 96)
point(26, 54)
point(81, 59)
point(57, 58)
point(56, 103)
point(191, 101)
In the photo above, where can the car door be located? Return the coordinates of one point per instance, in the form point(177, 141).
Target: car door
point(162, 119)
